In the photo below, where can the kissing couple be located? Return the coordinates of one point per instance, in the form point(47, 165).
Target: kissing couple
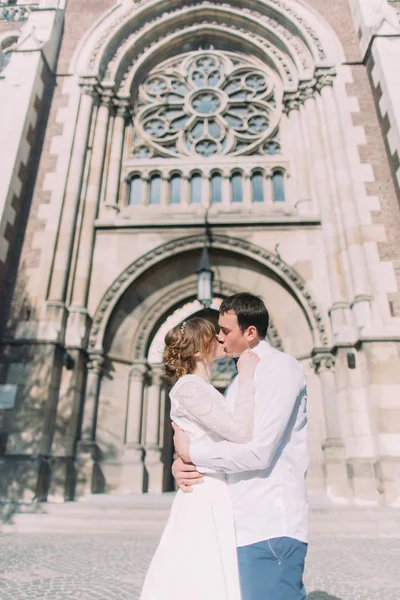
point(238, 527)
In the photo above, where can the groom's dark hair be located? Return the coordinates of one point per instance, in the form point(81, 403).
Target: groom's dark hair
point(249, 309)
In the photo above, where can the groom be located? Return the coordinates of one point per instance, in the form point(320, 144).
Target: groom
point(267, 476)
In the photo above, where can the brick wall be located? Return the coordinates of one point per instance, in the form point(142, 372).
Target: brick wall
point(338, 15)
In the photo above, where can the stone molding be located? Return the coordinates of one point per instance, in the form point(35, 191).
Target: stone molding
point(266, 257)
point(276, 12)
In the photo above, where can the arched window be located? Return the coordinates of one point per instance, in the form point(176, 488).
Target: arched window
point(155, 190)
point(237, 187)
point(278, 186)
point(135, 192)
point(195, 189)
point(216, 188)
point(257, 186)
point(175, 189)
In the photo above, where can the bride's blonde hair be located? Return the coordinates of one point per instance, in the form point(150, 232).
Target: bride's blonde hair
point(183, 341)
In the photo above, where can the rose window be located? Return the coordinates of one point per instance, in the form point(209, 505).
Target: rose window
point(206, 104)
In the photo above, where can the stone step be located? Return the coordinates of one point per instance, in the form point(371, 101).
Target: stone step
point(149, 513)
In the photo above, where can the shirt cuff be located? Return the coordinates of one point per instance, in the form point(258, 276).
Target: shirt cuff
point(200, 456)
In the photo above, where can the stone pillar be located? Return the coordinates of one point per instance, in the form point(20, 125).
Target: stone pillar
point(334, 448)
point(66, 234)
point(363, 451)
point(185, 190)
point(302, 197)
point(110, 206)
point(87, 451)
point(226, 188)
point(154, 425)
point(206, 183)
point(164, 190)
point(362, 300)
point(132, 471)
point(247, 189)
point(341, 319)
point(91, 204)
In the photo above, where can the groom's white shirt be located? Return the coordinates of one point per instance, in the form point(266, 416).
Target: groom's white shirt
point(267, 476)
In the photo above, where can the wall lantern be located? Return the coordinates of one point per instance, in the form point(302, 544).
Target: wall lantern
point(205, 278)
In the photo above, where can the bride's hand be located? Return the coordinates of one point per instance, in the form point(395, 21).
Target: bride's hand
point(247, 364)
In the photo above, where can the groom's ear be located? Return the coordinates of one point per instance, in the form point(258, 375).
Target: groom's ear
point(251, 333)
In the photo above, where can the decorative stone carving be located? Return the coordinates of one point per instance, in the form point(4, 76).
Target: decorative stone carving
point(147, 14)
point(95, 363)
point(187, 243)
point(306, 90)
point(322, 362)
point(204, 104)
point(14, 13)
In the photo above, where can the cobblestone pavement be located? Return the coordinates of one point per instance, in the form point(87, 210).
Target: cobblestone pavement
point(113, 566)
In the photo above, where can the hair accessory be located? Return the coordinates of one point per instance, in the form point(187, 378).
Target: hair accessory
point(183, 327)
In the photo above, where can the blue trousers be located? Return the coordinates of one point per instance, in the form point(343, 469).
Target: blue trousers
point(272, 569)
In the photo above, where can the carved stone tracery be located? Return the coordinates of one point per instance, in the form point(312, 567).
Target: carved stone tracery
point(204, 104)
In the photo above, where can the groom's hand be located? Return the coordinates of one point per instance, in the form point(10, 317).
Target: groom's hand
point(181, 443)
point(186, 475)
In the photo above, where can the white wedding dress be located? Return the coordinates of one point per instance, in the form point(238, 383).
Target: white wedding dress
point(196, 558)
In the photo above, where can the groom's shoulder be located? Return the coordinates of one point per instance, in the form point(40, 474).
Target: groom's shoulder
point(276, 358)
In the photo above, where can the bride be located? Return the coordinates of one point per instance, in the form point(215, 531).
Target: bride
point(196, 558)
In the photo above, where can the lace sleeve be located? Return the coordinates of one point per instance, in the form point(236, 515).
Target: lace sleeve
point(208, 406)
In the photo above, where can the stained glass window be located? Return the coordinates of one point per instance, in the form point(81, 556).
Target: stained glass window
point(278, 186)
point(175, 189)
point(135, 195)
point(155, 190)
point(195, 189)
point(216, 188)
point(257, 185)
point(237, 187)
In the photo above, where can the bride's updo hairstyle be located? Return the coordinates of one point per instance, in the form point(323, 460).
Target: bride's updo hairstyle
point(183, 341)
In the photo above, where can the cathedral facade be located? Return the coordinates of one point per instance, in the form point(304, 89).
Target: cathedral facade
point(136, 133)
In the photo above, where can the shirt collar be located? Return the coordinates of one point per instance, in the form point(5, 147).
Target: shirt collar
point(262, 348)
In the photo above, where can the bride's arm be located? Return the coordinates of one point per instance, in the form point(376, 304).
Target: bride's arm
point(208, 406)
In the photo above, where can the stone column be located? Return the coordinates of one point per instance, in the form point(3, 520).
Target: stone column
point(164, 189)
point(226, 188)
point(336, 257)
point(153, 444)
point(302, 198)
point(362, 300)
point(206, 183)
point(247, 189)
point(87, 451)
point(91, 205)
point(66, 234)
point(334, 448)
point(132, 470)
point(110, 206)
point(185, 190)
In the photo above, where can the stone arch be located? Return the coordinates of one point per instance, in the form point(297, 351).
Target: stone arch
point(163, 306)
point(299, 33)
point(288, 277)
